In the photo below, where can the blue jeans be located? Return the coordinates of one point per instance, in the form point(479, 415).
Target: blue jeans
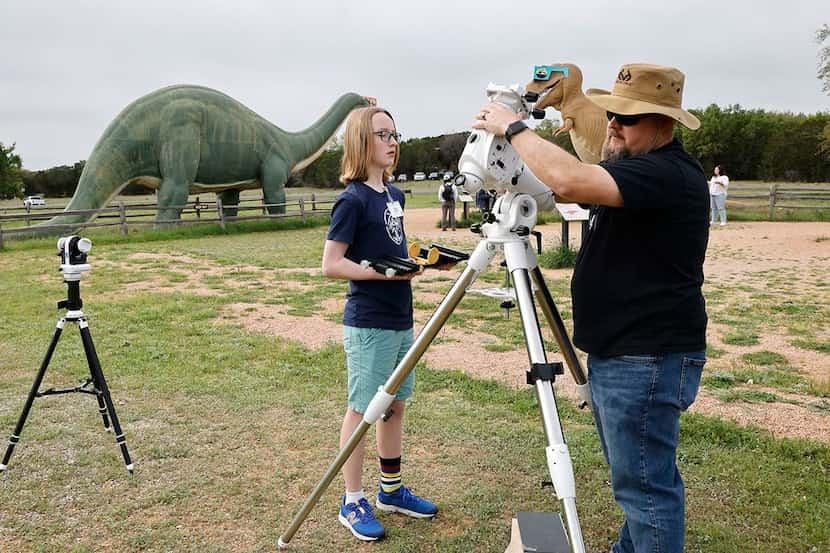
point(718, 204)
point(637, 401)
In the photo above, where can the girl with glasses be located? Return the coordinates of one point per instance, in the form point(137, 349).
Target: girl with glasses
point(367, 223)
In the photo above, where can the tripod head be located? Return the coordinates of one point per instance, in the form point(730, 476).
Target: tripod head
point(513, 215)
point(491, 162)
point(73, 250)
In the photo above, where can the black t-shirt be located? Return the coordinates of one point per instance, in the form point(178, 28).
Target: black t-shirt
point(637, 282)
point(360, 217)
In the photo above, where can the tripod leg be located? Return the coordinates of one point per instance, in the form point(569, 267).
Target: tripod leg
point(89, 350)
point(102, 407)
point(101, 384)
point(15, 437)
point(555, 323)
point(558, 457)
point(479, 260)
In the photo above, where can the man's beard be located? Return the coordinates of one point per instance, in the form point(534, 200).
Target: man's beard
point(614, 155)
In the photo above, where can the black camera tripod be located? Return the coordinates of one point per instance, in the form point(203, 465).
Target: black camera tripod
point(506, 230)
point(99, 388)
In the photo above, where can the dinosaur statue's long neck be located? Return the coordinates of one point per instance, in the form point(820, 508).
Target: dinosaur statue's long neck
point(308, 144)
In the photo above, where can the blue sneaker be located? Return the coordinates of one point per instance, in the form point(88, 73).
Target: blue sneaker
point(404, 501)
point(360, 519)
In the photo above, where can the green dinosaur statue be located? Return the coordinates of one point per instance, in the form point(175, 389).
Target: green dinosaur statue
point(189, 139)
point(583, 119)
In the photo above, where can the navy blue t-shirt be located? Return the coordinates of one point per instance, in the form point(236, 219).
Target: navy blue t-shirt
point(637, 282)
point(361, 218)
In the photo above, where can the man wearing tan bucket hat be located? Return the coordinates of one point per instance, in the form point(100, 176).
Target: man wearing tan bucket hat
point(638, 309)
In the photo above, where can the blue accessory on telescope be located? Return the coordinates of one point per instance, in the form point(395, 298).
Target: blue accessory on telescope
point(542, 72)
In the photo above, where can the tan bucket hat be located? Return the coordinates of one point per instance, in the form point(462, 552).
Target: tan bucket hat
point(646, 88)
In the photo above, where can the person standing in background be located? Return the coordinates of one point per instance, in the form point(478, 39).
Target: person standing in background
point(718, 185)
point(447, 195)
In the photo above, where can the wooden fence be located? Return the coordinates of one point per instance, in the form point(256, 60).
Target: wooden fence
point(778, 196)
point(19, 221)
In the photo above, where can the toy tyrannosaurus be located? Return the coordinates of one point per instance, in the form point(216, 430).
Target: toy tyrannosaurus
point(583, 119)
point(187, 139)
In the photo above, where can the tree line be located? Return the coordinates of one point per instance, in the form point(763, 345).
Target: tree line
point(751, 145)
point(760, 145)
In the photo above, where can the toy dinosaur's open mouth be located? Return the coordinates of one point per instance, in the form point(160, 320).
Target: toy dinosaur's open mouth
point(544, 92)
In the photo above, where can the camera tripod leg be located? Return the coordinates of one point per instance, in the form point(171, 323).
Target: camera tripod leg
point(33, 393)
point(89, 350)
point(101, 384)
point(546, 303)
point(518, 256)
point(478, 261)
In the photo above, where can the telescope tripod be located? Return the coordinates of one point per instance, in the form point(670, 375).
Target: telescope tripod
point(99, 388)
point(515, 217)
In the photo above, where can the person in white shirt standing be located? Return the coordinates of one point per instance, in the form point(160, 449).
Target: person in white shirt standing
point(718, 185)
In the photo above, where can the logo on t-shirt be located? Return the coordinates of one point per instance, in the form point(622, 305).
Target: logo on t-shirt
point(394, 227)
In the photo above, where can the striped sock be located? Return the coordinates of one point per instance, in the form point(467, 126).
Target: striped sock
point(390, 474)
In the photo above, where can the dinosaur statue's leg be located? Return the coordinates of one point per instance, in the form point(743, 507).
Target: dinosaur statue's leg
point(230, 199)
point(178, 159)
point(274, 175)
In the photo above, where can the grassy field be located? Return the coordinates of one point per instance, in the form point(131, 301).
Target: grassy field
point(231, 428)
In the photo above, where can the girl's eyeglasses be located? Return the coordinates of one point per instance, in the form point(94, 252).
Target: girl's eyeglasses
point(387, 136)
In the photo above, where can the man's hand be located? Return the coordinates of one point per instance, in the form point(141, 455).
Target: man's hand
point(495, 117)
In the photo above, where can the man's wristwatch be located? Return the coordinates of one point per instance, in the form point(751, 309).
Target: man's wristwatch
point(513, 129)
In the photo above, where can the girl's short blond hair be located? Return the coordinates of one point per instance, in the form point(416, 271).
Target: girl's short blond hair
point(358, 143)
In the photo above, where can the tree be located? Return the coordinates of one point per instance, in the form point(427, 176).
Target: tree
point(548, 127)
point(11, 183)
point(325, 170)
point(824, 57)
point(824, 145)
point(55, 181)
point(450, 148)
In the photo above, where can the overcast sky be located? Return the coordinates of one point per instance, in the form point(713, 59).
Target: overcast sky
point(67, 68)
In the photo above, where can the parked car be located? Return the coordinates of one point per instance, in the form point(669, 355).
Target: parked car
point(402, 177)
point(420, 175)
point(433, 175)
point(34, 201)
point(448, 175)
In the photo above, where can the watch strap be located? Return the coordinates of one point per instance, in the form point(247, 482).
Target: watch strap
point(513, 129)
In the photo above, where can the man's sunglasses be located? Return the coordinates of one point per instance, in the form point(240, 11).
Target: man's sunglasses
point(625, 120)
point(387, 136)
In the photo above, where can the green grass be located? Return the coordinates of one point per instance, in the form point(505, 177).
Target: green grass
point(741, 338)
point(559, 258)
point(764, 357)
point(230, 429)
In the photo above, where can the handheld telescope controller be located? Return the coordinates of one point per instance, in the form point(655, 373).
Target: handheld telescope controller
point(72, 250)
point(491, 162)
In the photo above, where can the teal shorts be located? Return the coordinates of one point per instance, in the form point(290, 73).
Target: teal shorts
point(371, 356)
